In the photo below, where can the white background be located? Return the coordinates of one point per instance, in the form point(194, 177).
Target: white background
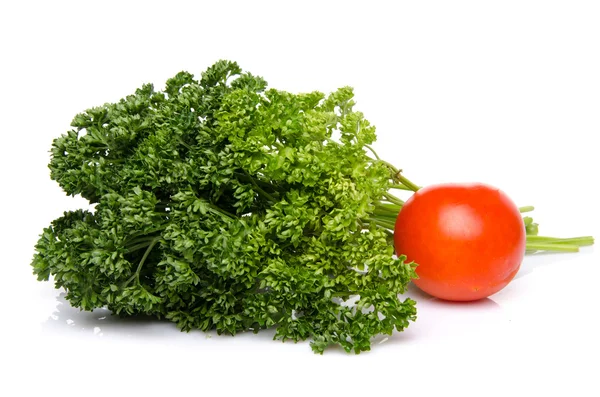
point(503, 92)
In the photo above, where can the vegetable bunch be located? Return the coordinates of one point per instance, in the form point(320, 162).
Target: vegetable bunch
point(221, 204)
point(218, 203)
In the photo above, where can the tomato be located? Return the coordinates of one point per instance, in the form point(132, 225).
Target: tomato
point(468, 240)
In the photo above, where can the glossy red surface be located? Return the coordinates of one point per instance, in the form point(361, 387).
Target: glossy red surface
point(468, 240)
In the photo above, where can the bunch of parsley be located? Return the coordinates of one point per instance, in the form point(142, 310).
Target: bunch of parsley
point(221, 204)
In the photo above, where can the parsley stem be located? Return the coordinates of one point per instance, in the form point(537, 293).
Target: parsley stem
point(390, 207)
point(407, 182)
point(527, 208)
point(393, 199)
point(388, 224)
point(391, 166)
point(221, 211)
point(259, 189)
point(136, 247)
point(389, 233)
point(399, 187)
point(157, 229)
point(387, 218)
point(148, 250)
point(551, 247)
point(373, 151)
point(185, 145)
point(579, 241)
point(386, 213)
point(398, 177)
point(137, 240)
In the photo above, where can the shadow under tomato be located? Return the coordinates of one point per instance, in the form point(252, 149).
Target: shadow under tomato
point(441, 321)
point(424, 299)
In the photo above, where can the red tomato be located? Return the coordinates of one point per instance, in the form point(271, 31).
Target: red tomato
point(467, 239)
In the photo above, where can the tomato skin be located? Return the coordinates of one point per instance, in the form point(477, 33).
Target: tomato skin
point(468, 240)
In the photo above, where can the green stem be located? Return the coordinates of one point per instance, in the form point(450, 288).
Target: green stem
point(527, 208)
point(579, 241)
point(373, 151)
point(132, 242)
point(407, 183)
point(380, 212)
point(136, 247)
point(391, 166)
point(399, 177)
point(400, 187)
point(390, 207)
point(388, 224)
point(181, 142)
point(218, 210)
point(551, 247)
point(393, 199)
point(157, 229)
point(136, 275)
point(259, 189)
point(389, 233)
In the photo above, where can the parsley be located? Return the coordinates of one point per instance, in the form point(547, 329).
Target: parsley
point(222, 204)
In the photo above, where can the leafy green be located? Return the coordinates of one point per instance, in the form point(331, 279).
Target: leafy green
point(221, 204)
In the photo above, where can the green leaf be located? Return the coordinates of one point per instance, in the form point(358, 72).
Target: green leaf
point(220, 203)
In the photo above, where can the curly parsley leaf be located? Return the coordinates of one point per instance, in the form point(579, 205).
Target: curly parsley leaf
point(223, 204)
